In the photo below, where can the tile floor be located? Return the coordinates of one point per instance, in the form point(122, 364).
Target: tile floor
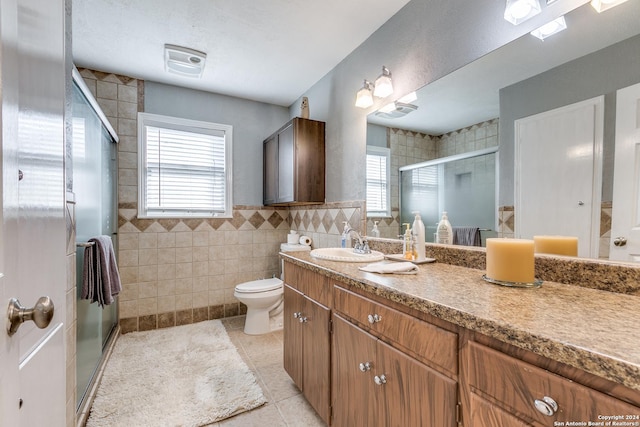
point(285, 405)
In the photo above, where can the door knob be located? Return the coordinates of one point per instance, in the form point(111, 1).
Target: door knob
point(620, 241)
point(41, 314)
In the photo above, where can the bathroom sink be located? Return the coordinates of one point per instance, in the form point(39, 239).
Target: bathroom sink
point(346, 255)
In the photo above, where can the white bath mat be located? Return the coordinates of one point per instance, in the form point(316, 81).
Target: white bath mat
point(187, 375)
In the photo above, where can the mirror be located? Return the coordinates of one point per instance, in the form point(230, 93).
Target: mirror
point(462, 111)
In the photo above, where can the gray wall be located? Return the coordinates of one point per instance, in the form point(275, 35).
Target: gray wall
point(421, 43)
point(377, 136)
point(252, 122)
point(600, 73)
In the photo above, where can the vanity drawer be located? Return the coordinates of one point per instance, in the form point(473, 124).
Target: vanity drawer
point(517, 385)
point(426, 342)
point(312, 284)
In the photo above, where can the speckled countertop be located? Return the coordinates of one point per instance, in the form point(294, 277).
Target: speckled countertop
point(594, 330)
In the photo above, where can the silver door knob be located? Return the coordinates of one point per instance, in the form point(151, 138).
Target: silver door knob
point(296, 314)
point(302, 319)
point(374, 318)
point(620, 241)
point(364, 366)
point(546, 406)
point(380, 380)
point(41, 314)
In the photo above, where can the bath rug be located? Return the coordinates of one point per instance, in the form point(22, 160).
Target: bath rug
point(189, 375)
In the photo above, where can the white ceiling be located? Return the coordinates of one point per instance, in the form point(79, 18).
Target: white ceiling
point(266, 50)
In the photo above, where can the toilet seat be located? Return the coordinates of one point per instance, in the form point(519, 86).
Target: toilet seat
point(263, 285)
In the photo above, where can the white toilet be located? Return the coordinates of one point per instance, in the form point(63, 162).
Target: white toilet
point(264, 300)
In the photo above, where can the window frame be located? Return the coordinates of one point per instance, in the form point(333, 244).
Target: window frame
point(186, 125)
point(386, 153)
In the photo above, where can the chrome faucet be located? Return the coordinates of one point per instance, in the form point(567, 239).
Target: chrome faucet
point(361, 246)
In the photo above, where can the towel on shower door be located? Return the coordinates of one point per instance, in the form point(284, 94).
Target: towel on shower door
point(101, 279)
point(466, 236)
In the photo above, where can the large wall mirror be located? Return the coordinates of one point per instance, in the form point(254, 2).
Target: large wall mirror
point(467, 123)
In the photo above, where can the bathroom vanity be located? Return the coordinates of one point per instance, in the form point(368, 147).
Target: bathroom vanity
point(445, 348)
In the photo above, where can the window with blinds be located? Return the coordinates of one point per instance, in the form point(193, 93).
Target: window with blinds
point(184, 168)
point(378, 177)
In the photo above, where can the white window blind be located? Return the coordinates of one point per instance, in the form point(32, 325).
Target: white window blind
point(378, 176)
point(185, 167)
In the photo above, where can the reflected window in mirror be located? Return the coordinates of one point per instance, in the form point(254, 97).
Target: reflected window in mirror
point(378, 177)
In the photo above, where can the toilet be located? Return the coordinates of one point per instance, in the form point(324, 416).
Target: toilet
point(264, 300)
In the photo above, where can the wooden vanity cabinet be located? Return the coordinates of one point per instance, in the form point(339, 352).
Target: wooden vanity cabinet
point(375, 383)
point(294, 164)
point(307, 339)
point(506, 391)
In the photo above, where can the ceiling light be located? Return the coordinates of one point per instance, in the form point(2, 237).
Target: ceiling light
point(550, 28)
point(518, 11)
point(184, 61)
point(602, 5)
point(408, 98)
point(383, 85)
point(364, 97)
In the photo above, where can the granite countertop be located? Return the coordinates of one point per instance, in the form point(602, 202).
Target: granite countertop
point(593, 330)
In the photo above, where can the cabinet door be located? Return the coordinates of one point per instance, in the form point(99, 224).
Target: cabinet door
point(414, 395)
point(270, 168)
point(286, 165)
point(292, 334)
point(353, 398)
point(485, 414)
point(316, 351)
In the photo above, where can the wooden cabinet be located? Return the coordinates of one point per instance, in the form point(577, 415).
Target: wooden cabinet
point(504, 390)
point(376, 384)
point(294, 164)
point(307, 340)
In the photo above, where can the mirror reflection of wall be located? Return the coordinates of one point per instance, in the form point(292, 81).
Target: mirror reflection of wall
point(411, 148)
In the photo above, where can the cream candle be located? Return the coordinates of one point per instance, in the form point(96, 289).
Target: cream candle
point(510, 260)
point(557, 245)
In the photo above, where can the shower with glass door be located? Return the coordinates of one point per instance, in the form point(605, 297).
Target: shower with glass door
point(95, 189)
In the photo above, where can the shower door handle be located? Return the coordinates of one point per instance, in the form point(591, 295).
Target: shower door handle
point(41, 314)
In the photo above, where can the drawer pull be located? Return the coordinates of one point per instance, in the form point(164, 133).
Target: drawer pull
point(380, 380)
point(546, 406)
point(296, 314)
point(364, 366)
point(374, 318)
point(302, 319)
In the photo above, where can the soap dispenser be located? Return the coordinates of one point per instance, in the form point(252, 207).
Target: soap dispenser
point(346, 239)
point(407, 244)
point(419, 235)
point(374, 231)
point(445, 232)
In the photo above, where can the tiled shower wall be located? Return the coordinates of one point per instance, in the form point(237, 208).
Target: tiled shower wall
point(408, 147)
point(179, 271)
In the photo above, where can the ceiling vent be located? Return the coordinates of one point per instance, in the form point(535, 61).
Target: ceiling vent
point(184, 61)
point(400, 110)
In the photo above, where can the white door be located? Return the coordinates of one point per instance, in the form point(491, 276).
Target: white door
point(558, 157)
point(33, 231)
point(625, 221)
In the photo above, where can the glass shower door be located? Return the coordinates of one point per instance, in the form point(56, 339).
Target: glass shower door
point(94, 185)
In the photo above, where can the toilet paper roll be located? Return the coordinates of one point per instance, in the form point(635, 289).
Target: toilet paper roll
point(305, 240)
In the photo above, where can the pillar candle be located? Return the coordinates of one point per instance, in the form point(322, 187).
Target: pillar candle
point(558, 245)
point(510, 260)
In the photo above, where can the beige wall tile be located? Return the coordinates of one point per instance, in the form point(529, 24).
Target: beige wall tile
point(128, 241)
point(184, 254)
point(148, 240)
point(166, 240)
point(148, 290)
point(148, 257)
point(166, 287)
point(128, 258)
point(166, 304)
point(147, 306)
point(166, 271)
point(184, 239)
point(106, 90)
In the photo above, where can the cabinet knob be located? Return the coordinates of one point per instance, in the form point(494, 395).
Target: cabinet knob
point(364, 366)
point(302, 319)
point(546, 406)
point(380, 380)
point(297, 314)
point(374, 318)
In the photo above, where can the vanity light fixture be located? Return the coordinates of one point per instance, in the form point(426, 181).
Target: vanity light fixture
point(364, 97)
point(550, 28)
point(184, 61)
point(383, 84)
point(518, 11)
point(602, 5)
